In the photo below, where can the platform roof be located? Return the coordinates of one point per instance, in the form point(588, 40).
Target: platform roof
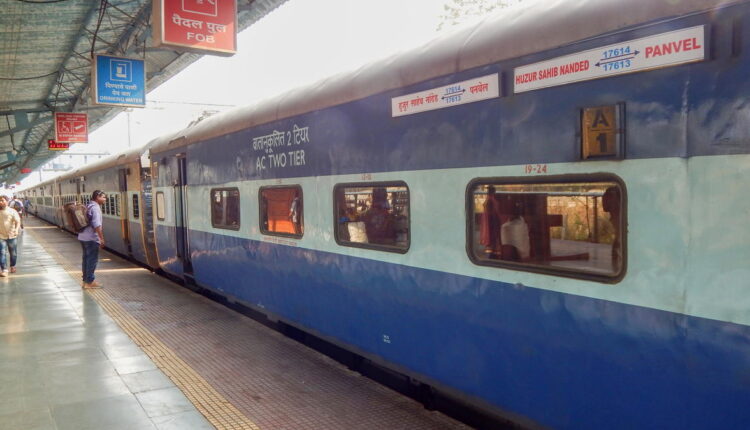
point(46, 48)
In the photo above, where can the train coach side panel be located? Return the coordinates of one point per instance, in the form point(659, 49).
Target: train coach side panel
point(482, 337)
point(662, 348)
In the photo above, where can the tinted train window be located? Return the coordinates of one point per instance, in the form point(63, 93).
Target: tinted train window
point(374, 215)
point(136, 207)
point(281, 211)
point(225, 208)
point(160, 206)
point(571, 228)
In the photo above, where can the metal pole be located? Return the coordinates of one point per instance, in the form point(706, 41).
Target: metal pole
point(127, 111)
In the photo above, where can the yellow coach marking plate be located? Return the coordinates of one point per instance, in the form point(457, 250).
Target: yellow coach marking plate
point(599, 131)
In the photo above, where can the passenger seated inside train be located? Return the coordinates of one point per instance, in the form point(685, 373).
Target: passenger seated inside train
point(377, 216)
point(505, 234)
point(572, 226)
point(378, 220)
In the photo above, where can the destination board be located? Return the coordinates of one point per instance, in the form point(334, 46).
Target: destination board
point(661, 50)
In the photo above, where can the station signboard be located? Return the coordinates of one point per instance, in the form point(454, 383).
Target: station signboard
point(71, 127)
point(206, 26)
point(118, 81)
point(24, 170)
point(52, 145)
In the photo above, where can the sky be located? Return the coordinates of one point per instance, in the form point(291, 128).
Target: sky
point(299, 43)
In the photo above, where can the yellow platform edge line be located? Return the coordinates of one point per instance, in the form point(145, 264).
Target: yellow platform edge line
point(209, 402)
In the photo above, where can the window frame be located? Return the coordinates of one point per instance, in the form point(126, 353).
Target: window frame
point(160, 207)
point(267, 232)
point(374, 247)
point(239, 209)
point(543, 269)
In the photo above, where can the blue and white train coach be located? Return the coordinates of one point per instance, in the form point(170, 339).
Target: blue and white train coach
point(544, 215)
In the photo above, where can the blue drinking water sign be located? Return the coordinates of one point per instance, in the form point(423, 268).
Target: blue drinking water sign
point(119, 81)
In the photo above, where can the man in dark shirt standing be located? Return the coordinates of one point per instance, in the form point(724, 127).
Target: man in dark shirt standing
point(92, 238)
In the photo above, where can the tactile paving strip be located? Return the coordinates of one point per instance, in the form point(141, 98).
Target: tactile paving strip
point(217, 410)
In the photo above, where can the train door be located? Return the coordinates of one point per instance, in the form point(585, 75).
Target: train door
point(57, 203)
point(181, 216)
point(122, 176)
point(147, 216)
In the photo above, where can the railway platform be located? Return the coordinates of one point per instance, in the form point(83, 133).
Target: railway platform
point(146, 353)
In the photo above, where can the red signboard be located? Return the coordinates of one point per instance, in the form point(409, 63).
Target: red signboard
point(57, 146)
point(71, 127)
point(25, 170)
point(196, 25)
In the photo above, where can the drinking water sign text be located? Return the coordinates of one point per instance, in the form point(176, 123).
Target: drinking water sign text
point(661, 50)
point(119, 81)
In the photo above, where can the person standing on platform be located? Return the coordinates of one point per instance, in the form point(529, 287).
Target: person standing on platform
point(18, 206)
point(10, 222)
point(92, 238)
point(26, 207)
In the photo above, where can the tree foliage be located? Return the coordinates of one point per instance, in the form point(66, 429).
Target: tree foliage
point(461, 11)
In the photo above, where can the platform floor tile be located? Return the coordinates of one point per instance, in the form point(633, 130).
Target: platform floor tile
point(66, 364)
point(227, 364)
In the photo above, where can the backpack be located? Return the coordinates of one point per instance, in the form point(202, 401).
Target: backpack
point(77, 216)
point(17, 205)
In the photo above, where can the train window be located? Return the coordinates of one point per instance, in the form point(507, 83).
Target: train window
point(136, 207)
point(281, 211)
point(373, 215)
point(160, 206)
point(225, 208)
point(573, 226)
point(117, 204)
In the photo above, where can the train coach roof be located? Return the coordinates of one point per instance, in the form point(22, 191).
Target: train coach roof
point(510, 33)
point(122, 158)
point(113, 160)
